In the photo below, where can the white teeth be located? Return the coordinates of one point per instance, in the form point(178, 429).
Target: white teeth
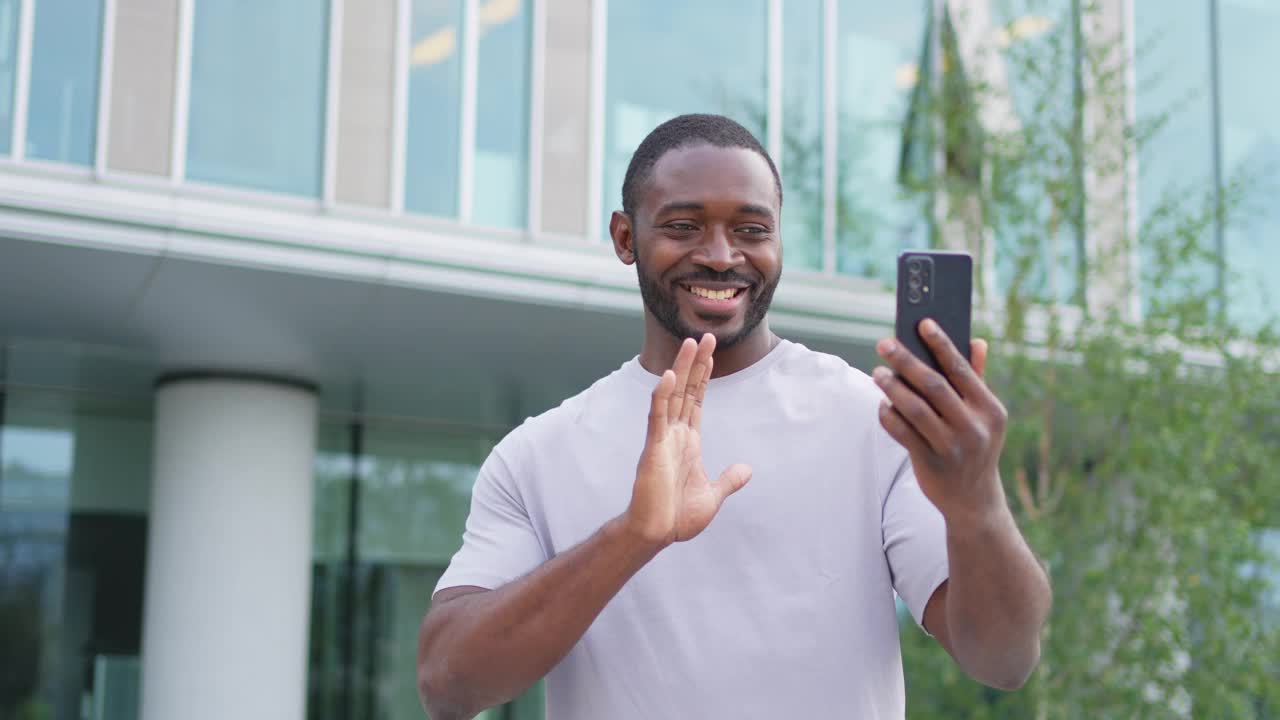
point(712, 294)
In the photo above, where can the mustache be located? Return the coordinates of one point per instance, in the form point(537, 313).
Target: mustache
point(728, 276)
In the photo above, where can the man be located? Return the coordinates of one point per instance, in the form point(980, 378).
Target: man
point(639, 590)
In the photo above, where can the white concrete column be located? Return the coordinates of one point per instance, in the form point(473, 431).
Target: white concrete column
point(229, 552)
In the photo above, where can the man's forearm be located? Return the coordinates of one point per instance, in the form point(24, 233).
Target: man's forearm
point(480, 650)
point(998, 599)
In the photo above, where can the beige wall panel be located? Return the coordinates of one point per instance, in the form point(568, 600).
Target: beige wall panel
point(366, 103)
point(142, 86)
point(566, 138)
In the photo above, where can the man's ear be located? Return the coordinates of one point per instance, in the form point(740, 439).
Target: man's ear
point(624, 238)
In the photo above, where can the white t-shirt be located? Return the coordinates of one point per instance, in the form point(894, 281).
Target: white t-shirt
point(784, 606)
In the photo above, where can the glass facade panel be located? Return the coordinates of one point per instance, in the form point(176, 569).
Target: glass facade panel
point(411, 498)
point(9, 10)
point(801, 161)
point(258, 71)
point(62, 110)
point(878, 54)
point(74, 493)
point(668, 57)
point(1174, 96)
point(1041, 65)
point(1249, 31)
point(435, 108)
point(502, 114)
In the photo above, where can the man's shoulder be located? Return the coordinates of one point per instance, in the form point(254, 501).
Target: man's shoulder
point(815, 371)
point(558, 422)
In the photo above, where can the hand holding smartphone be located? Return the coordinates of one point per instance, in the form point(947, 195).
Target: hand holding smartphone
point(936, 285)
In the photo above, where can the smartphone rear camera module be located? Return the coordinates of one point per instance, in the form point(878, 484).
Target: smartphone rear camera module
point(913, 265)
point(914, 296)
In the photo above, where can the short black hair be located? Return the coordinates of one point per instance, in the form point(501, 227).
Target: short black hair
point(683, 131)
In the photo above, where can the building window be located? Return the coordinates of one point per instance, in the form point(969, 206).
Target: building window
point(391, 502)
point(258, 72)
point(9, 10)
point(1251, 153)
point(435, 108)
point(877, 67)
point(668, 57)
point(1039, 226)
point(62, 107)
point(1174, 97)
point(802, 150)
point(502, 114)
point(75, 487)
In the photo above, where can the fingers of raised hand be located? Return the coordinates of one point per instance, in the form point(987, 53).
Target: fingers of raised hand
point(681, 367)
point(659, 404)
point(699, 374)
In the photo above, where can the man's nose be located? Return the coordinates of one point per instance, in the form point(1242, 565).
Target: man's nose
point(717, 251)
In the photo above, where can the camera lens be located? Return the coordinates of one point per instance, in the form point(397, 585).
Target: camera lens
point(913, 295)
point(913, 266)
point(914, 282)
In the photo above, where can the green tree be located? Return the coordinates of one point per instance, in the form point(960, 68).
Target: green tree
point(1142, 454)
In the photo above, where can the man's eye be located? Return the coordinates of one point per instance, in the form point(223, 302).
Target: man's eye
point(753, 229)
point(681, 227)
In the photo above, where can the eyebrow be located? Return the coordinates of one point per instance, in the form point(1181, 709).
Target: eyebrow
point(747, 209)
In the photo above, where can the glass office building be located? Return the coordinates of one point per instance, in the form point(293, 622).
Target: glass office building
point(275, 275)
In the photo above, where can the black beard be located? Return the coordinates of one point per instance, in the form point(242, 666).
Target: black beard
point(660, 301)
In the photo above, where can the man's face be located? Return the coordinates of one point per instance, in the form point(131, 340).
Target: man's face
point(705, 242)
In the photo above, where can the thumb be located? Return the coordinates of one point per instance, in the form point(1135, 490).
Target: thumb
point(978, 356)
point(732, 480)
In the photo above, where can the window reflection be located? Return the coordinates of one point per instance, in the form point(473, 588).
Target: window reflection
point(63, 105)
point(1251, 149)
point(1040, 237)
point(74, 491)
point(668, 57)
point(502, 114)
point(802, 134)
point(1174, 96)
point(8, 68)
point(376, 568)
point(258, 70)
point(877, 56)
point(435, 106)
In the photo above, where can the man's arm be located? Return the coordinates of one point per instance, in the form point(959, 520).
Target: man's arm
point(988, 615)
point(478, 648)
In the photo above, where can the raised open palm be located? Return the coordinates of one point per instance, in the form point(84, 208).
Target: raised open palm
point(673, 499)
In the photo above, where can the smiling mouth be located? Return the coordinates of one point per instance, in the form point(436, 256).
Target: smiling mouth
point(713, 294)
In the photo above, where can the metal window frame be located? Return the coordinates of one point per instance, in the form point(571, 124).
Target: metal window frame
point(400, 104)
point(467, 138)
point(537, 116)
point(830, 136)
point(773, 118)
point(182, 92)
point(22, 79)
point(106, 69)
point(596, 120)
point(332, 107)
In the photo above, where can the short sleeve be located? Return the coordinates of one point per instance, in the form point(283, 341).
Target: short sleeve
point(499, 543)
point(915, 537)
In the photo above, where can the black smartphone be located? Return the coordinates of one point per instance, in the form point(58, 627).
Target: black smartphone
point(936, 285)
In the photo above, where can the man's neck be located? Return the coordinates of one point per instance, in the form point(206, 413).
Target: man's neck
point(660, 347)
